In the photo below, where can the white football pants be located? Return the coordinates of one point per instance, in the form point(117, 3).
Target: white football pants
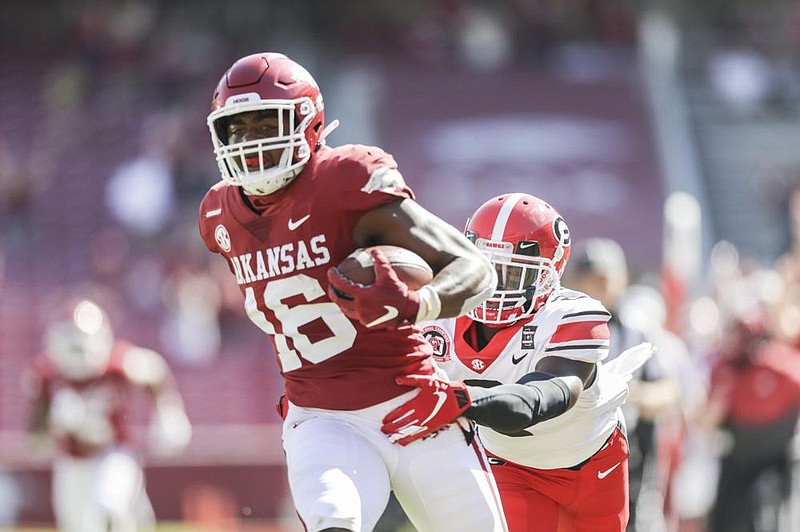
point(342, 469)
point(104, 492)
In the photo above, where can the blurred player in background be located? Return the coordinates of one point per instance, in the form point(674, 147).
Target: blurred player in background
point(83, 387)
point(754, 404)
point(288, 210)
point(531, 361)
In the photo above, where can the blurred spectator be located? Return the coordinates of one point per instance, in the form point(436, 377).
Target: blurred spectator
point(140, 195)
point(754, 399)
point(742, 78)
point(191, 331)
point(754, 402)
point(18, 184)
point(644, 308)
point(141, 192)
point(83, 391)
point(600, 270)
point(10, 494)
point(483, 40)
point(785, 318)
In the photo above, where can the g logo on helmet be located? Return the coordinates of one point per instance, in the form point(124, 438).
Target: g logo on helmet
point(561, 231)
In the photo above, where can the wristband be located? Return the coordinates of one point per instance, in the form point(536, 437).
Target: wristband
point(430, 305)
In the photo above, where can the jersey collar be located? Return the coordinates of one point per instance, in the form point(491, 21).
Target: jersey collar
point(479, 360)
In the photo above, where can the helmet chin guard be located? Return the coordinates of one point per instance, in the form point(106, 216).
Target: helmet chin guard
point(522, 282)
point(264, 179)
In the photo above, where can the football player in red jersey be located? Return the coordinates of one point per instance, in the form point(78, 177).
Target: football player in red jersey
point(530, 358)
point(82, 388)
point(287, 211)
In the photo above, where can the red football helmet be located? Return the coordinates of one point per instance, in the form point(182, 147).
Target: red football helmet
point(260, 82)
point(529, 243)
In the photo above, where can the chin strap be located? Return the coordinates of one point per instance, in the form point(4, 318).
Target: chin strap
point(327, 131)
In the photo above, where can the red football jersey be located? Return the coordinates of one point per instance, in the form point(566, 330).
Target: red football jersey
point(86, 417)
point(280, 260)
point(764, 391)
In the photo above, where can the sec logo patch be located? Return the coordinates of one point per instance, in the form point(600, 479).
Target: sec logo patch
point(223, 238)
point(439, 340)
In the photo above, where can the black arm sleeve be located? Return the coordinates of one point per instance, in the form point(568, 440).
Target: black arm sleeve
point(511, 408)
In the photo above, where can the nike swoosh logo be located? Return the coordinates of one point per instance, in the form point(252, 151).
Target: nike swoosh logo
point(391, 313)
point(526, 245)
point(294, 225)
point(604, 474)
point(515, 360)
point(442, 397)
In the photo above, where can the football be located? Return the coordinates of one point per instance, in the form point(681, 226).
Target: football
point(410, 267)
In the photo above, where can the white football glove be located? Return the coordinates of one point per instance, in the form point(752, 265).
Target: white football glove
point(170, 430)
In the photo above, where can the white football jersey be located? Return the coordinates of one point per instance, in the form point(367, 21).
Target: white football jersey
point(569, 324)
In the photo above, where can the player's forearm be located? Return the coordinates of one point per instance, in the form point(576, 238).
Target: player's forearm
point(511, 408)
point(463, 284)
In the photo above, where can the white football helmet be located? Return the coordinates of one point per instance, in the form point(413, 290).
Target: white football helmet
point(528, 242)
point(80, 342)
point(261, 82)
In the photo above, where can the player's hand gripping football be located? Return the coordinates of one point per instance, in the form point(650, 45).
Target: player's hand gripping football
point(438, 403)
point(387, 303)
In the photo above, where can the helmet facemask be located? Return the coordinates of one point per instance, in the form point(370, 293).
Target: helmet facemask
point(523, 278)
point(294, 117)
